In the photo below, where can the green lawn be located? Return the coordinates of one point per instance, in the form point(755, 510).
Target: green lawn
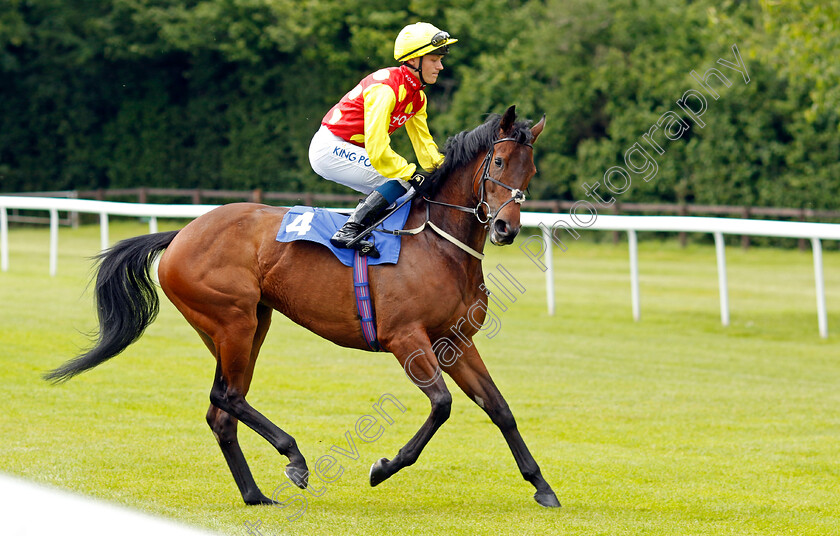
point(672, 425)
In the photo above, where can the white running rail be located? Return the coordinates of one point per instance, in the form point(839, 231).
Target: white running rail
point(557, 229)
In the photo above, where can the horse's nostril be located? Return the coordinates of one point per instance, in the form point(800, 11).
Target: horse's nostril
point(501, 227)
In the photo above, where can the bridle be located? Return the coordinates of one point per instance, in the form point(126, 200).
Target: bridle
point(516, 195)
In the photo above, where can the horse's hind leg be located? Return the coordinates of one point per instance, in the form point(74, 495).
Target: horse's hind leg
point(224, 426)
point(237, 354)
point(471, 375)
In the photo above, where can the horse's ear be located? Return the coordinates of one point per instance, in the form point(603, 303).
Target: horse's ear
point(537, 129)
point(508, 119)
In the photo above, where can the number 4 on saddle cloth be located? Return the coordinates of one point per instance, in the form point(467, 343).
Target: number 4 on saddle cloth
point(318, 225)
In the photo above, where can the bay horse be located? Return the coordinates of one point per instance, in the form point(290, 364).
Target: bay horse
point(226, 273)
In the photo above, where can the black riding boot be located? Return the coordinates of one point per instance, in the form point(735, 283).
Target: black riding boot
point(364, 215)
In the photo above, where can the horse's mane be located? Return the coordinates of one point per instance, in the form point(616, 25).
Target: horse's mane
point(461, 148)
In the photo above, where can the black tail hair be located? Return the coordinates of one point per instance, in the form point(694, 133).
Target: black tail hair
point(126, 301)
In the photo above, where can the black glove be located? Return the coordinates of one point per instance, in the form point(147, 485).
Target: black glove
point(422, 184)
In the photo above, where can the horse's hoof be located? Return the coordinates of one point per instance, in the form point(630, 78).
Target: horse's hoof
point(378, 472)
point(547, 499)
point(258, 499)
point(299, 477)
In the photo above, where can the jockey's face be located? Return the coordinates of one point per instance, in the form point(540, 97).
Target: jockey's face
point(431, 66)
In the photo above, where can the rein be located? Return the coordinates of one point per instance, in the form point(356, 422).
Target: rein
point(516, 196)
point(439, 231)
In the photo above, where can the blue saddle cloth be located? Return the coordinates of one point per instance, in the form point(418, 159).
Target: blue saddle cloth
point(318, 225)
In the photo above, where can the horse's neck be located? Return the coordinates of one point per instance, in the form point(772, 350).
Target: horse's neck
point(457, 189)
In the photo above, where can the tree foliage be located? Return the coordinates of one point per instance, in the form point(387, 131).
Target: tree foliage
point(227, 93)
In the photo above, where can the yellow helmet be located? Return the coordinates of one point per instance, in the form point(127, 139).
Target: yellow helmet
point(419, 39)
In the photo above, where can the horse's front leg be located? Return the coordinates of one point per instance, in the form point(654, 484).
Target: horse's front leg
point(414, 353)
point(471, 375)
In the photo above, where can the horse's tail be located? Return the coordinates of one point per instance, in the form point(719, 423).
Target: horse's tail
point(126, 301)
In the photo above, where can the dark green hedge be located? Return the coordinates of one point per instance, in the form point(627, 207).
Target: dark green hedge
point(227, 93)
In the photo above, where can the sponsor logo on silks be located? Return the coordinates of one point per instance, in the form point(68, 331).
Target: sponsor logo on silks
point(341, 152)
point(399, 120)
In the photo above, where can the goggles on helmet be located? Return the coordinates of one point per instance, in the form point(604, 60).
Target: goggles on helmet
point(438, 41)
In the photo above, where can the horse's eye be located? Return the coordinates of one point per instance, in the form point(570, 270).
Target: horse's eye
point(498, 162)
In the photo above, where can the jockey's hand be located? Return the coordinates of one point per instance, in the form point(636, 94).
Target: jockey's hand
point(422, 184)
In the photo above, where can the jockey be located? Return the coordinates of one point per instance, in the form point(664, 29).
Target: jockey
point(353, 145)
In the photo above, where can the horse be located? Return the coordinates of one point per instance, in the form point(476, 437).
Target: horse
point(226, 274)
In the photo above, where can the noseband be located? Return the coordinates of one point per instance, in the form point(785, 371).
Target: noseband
point(516, 195)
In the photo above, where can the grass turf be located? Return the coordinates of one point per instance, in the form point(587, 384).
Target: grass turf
point(672, 425)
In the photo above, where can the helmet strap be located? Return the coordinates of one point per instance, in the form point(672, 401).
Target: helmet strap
point(418, 70)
